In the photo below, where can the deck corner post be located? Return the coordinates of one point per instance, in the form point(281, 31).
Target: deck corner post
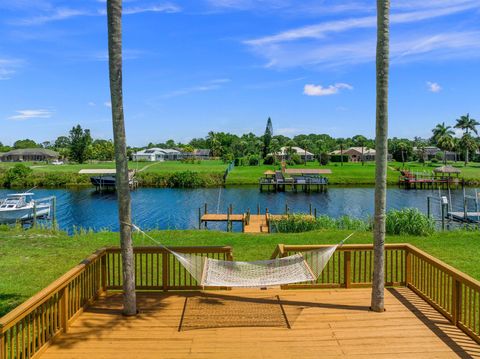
point(165, 260)
point(408, 267)
point(2, 343)
point(103, 276)
point(456, 301)
point(64, 311)
point(347, 269)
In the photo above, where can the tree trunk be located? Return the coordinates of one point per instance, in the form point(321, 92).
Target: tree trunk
point(466, 157)
point(114, 12)
point(378, 285)
point(341, 155)
point(445, 157)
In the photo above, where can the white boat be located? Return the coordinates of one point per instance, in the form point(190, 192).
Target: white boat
point(22, 207)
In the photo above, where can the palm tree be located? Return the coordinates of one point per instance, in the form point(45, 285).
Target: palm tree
point(441, 130)
point(307, 145)
point(467, 124)
point(446, 143)
point(402, 146)
point(467, 143)
point(381, 146)
point(114, 13)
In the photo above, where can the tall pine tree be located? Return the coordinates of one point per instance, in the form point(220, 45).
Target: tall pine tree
point(267, 137)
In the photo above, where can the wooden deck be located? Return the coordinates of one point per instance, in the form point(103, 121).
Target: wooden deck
point(250, 324)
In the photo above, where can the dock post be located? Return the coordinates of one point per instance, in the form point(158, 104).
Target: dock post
point(443, 217)
point(53, 212)
point(206, 208)
point(286, 208)
point(228, 220)
point(428, 207)
point(315, 213)
point(34, 224)
point(258, 208)
point(310, 209)
point(199, 218)
point(231, 208)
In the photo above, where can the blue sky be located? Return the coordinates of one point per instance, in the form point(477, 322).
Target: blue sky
point(226, 65)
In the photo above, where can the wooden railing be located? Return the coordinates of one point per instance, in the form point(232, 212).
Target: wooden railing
point(157, 269)
point(29, 329)
point(451, 292)
point(26, 331)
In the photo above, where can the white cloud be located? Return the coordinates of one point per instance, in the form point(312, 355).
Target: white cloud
point(288, 131)
point(434, 87)
point(214, 84)
point(63, 13)
point(8, 67)
point(107, 104)
point(92, 104)
point(319, 90)
point(29, 114)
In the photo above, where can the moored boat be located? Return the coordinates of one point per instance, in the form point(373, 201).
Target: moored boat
point(22, 207)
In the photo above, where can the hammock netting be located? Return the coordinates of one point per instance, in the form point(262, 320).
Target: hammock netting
point(265, 273)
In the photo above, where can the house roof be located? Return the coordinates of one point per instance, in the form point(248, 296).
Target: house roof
point(156, 150)
point(447, 169)
point(366, 151)
point(308, 171)
point(298, 151)
point(32, 152)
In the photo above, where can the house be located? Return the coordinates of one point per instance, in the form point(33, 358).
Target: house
point(30, 155)
point(429, 152)
point(157, 154)
point(284, 153)
point(358, 154)
point(202, 154)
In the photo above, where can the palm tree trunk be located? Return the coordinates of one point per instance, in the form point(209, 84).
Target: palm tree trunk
point(114, 12)
point(466, 157)
point(381, 143)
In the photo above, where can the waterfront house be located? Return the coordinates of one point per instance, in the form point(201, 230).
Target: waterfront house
point(429, 152)
point(157, 154)
point(285, 153)
point(355, 154)
point(30, 155)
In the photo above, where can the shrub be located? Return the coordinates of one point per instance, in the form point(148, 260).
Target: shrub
point(434, 160)
point(439, 156)
point(269, 160)
point(294, 160)
point(297, 223)
point(409, 221)
point(324, 158)
point(17, 176)
point(338, 158)
point(253, 160)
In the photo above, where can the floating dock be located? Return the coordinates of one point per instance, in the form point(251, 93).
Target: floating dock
point(468, 217)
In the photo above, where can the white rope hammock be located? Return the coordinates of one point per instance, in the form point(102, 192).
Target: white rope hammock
point(257, 274)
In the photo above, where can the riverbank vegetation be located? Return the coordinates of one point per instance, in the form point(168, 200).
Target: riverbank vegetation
point(27, 257)
point(407, 221)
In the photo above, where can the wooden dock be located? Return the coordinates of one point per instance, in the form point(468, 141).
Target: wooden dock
point(465, 217)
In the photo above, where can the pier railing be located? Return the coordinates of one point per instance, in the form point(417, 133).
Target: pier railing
point(27, 330)
point(453, 293)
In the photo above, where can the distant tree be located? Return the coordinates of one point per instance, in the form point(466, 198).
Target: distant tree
point(170, 144)
point(446, 143)
point(341, 145)
point(441, 130)
point(267, 137)
point(4, 148)
point(467, 124)
point(80, 141)
point(468, 144)
point(21, 144)
point(188, 149)
point(275, 147)
point(214, 144)
point(102, 150)
point(199, 143)
point(47, 144)
point(307, 145)
point(289, 149)
point(62, 142)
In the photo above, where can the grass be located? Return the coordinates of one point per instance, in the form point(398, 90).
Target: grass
point(211, 166)
point(348, 174)
point(32, 259)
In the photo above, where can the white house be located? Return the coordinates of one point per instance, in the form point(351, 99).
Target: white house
point(157, 154)
point(283, 153)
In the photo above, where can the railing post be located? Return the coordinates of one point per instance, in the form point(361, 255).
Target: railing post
point(165, 271)
point(103, 266)
point(2, 343)
point(64, 311)
point(456, 301)
point(408, 267)
point(347, 268)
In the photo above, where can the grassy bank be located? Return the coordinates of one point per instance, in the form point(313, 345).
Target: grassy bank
point(30, 260)
point(210, 173)
point(156, 174)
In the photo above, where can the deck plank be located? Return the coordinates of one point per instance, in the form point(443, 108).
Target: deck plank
point(250, 324)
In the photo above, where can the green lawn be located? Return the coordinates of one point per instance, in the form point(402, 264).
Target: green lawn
point(32, 259)
point(348, 174)
point(213, 166)
point(470, 173)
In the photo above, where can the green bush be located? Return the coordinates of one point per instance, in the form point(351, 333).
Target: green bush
point(184, 179)
point(17, 176)
point(297, 223)
point(324, 158)
point(253, 160)
point(338, 158)
point(409, 221)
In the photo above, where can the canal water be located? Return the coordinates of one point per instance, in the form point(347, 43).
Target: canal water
point(160, 208)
